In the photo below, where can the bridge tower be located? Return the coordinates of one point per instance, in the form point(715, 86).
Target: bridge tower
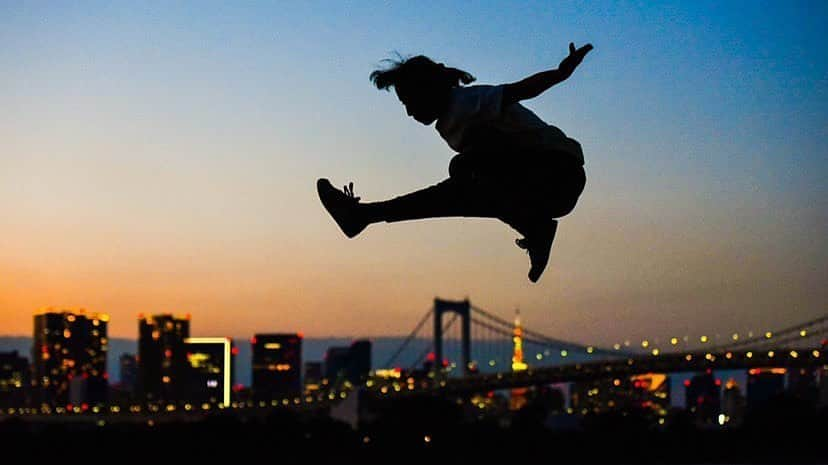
point(463, 310)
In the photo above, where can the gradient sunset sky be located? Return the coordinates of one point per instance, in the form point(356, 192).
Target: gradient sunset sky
point(162, 157)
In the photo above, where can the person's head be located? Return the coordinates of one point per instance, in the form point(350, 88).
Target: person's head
point(422, 85)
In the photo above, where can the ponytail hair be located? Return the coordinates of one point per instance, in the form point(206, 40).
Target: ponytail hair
point(418, 70)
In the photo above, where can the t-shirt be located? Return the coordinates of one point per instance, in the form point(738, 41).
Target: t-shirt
point(475, 117)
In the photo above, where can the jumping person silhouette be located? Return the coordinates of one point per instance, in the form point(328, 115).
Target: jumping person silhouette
point(510, 165)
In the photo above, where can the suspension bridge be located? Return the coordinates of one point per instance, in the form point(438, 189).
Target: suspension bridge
point(458, 347)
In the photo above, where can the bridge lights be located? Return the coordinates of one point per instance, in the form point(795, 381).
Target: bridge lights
point(655, 352)
point(768, 335)
point(645, 343)
point(749, 355)
point(590, 349)
point(815, 353)
point(770, 354)
point(794, 354)
point(735, 336)
point(674, 340)
point(704, 339)
point(688, 357)
point(803, 333)
point(564, 353)
point(539, 356)
point(616, 346)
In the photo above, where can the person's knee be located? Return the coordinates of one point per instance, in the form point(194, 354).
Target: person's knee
point(460, 167)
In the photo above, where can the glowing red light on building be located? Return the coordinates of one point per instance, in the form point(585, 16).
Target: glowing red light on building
point(86, 376)
point(69, 407)
point(168, 353)
point(718, 382)
point(140, 316)
point(235, 351)
point(431, 357)
point(106, 375)
point(687, 383)
point(301, 335)
point(84, 406)
point(253, 340)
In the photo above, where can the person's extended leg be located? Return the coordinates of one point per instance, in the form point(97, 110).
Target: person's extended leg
point(448, 198)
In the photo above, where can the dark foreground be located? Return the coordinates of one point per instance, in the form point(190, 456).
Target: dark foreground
point(423, 431)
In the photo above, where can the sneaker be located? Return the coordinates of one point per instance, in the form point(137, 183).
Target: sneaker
point(342, 205)
point(538, 246)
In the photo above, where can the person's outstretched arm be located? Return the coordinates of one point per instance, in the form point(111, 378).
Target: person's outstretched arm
point(536, 84)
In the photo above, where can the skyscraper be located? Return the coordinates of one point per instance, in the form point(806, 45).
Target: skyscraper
point(210, 369)
point(69, 358)
point(14, 379)
point(703, 398)
point(350, 364)
point(162, 357)
point(764, 384)
point(277, 365)
point(336, 364)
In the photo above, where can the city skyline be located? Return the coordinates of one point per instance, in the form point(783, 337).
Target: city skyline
point(170, 166)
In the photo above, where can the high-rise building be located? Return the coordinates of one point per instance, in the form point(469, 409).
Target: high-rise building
point(352, 364)
point(803, 384)
point(277, 365)
point(336, 364)
point(14, 379)
point(359, 361)
point(313, 376)
point(764, 384)
point(210, 369)
point(129, 372)
point(703, 399)
point(733, 404)
point(69, 358)
point(162, 357)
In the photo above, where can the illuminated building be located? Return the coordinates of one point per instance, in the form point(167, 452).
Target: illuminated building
point(647, 393)
point(277, 365)
point(733, 404)
point(210, 369)
point(14, 379)
point(312, 376)
point(764, 384)
point(69, 358)
point(351, 364)
point(702, 398)
point(162, 358)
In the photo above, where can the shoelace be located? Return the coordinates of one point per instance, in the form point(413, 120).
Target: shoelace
point(349, 191)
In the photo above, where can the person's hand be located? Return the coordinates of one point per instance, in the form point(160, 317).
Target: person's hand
point(576, 56)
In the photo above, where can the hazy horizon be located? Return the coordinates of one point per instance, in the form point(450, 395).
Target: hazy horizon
point(162, 158)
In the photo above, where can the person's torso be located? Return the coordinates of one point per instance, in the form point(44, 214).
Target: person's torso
point(474, 120)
